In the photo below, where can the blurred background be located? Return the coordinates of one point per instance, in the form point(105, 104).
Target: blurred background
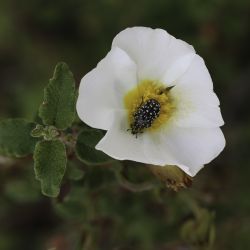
point(34, 36)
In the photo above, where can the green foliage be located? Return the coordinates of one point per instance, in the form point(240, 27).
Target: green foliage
point(74, 173)
point(200, 230)
point(22, 190)
point(73, 205)
point(15, 139)
point(85, 148)
point(58, 107)
point(47, 132)
point(50, 165)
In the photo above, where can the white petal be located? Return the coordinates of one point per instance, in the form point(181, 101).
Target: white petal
point(120, 143)
point(196, 75)
point(177, 69)
point(158, 55)
point(197, 104)
point(188, 148)
point(102, 89)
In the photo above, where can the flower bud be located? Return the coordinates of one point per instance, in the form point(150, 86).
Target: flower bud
point(172, 176)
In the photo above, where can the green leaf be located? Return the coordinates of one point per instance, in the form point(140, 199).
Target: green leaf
point(58, 107)
point(73, 172)
point(74, 204)
point(48, 132)
point(22, 190)
point(37, 131)
point(85, 148)
point(50, 165)
point(15, 138)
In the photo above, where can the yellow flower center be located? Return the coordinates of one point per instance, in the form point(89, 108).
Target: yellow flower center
point(149, 105)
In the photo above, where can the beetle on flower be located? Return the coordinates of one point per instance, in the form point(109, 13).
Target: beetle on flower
point(154, 96)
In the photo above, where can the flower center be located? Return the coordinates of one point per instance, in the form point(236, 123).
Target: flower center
point(149, 106)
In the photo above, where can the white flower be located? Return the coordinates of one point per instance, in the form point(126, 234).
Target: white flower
point(154, 96)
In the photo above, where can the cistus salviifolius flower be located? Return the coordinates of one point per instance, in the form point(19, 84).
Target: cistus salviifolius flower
point(154, 96)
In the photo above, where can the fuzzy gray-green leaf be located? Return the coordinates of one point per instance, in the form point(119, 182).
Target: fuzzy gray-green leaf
point(85, 148)
point(15, 138)
point(58, 107)
point(50, 165)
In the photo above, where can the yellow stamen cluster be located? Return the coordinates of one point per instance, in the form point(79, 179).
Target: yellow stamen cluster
point(144, 91)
